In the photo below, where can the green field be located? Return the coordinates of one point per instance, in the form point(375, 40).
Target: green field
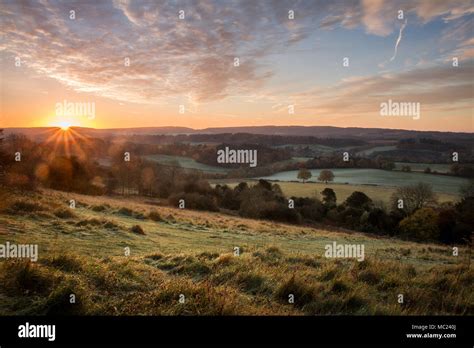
point(185, 162)
point(189, 163)
point(386, 178)
point(372, 150)
point(312, 189)
point(191, 253)
point(420, 167)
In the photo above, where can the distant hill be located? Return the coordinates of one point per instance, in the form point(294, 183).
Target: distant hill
point(336, 132)
point(316, 131)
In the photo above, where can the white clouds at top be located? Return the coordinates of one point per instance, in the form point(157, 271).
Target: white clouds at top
point(193, 57)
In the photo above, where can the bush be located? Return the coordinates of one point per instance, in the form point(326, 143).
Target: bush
point(308, 208)
point(379, 221)
point(98, 208)
point(130, 213)
point(194, 201)
point(302, 292)
point(329, 197)
point(155, 216)
point(58, 301)
point(421, 226)
point(279, 212)
point(64, 214)
point(24, 207)
point(24, 276)
point(350, 216)
point(137, 229)
point(110, 225)
point(253, 283)
point(125, 211)
point(92, 222)
point(358, 200)
point(66, 262)
point(20, 181)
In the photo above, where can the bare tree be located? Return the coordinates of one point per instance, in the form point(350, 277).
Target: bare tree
point(414, 197)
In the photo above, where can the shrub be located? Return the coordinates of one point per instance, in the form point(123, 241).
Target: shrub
point(225, 259)
point(302, 292)
point(125, 211)
point(329, 197)
point(155, 216)
point(308, 208)
point(66, 262)
point(280, 212)
point(130, 213)
point(25, 276)
point(194, 201)
point(98, 208)
point(64, 213)
point(20, 181)
point(358, 200)
point(339, 286)
point(137, 229)
point(252, 283)
point(58, 301)
point(93, 222)
point(22, 206)
point(421, 226)
point(110, 225)
point(369, 277)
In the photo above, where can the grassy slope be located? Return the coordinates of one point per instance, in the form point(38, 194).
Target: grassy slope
point(189, 252)
point(376, 193)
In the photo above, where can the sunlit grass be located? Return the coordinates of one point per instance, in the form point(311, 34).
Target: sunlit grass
point(191, 252)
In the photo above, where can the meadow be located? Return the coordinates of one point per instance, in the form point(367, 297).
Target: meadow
point(440, 183)
point(420, 167)
point(176, 251)
point(314, 189)
point(185, 162)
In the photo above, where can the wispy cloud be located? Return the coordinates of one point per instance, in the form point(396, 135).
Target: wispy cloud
point(193, 59)
point(399, 39)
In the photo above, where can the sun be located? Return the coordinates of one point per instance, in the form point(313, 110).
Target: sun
point(64, 125)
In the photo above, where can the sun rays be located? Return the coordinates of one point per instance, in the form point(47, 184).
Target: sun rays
point(67, 141)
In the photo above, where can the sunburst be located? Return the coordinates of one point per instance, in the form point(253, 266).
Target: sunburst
point(67, 141)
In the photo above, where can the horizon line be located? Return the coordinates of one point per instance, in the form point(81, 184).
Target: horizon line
point(246, 126)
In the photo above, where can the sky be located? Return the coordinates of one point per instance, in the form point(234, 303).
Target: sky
point(221, 63)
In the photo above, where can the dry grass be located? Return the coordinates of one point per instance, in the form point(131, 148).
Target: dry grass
point(248, 285)
point(192, 254)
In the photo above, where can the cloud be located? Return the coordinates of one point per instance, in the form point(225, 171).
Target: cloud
point(379, 17)
point(399, 39)
point(168, 56)
point(171, 58)
point(435, 87)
